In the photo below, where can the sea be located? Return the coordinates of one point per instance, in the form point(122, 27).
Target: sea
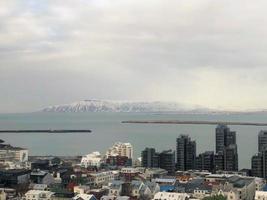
point(108, 129)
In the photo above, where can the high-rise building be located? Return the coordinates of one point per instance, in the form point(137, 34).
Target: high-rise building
point(262, 140)
point(231, 158)
point(259, 161)
point(257, 165)
point(219, 161)
point(186, 153)
point(167, 161)
point(205, 161)
point(224, 137)
point(164, 160)
point(150, 158)
point(226, 157)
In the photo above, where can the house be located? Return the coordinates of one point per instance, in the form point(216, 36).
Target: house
point(38, 195)
point(166, 184)
point(98, 193)
point(202, 191)
point(153, 187)
point(39, 187)
point(115, 198)
point(81, 189)
point(139, 189)
point(115, 188)
point(41, 177)
point(236, 188)
point(129, 173)
point(98, 179)
point(108, 197)
point(155, 173)
point(84, 197)
point(171, 196)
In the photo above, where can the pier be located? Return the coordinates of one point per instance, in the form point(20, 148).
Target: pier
point(47, 131)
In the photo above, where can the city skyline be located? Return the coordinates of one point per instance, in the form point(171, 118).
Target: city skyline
point(206, 53)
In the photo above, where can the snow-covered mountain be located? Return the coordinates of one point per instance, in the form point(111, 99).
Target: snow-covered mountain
point(117, 106)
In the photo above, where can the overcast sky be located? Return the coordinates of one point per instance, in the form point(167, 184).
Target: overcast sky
point(200, 52)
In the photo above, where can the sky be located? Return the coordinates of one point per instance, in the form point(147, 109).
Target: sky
point(206, 53)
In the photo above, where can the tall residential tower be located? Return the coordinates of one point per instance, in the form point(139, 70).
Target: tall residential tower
point(226, 157)
point(186, 153)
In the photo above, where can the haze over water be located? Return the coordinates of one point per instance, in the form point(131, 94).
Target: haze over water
point(108, 129)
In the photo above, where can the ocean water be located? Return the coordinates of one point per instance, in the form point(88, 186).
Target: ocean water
point(108, 129)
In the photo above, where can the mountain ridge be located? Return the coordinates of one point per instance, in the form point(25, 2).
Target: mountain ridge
point(96, 105)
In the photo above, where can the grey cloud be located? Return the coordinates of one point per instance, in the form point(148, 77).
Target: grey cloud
point(130, 49)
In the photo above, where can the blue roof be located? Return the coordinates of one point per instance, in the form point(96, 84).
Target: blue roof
point(166, 188)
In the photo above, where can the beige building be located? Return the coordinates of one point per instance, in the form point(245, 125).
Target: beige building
point(9, 153)
point(101, 178)
point(38, 195)
point(3, 195)
point(261, 195)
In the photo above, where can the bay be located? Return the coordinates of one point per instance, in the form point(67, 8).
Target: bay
point(108, 129)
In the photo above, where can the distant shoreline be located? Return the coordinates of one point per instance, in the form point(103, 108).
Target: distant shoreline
point(194, 122)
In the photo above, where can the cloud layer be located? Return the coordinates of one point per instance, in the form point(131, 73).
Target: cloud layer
point(208, 53)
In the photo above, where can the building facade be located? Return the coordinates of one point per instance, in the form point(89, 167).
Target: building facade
point(262, 140)
point(205, 161)
point(150, 158)
point(92, 160)
point(226, 157)
point(120, 149)
point(167, 161)
point(186, 153)
point(224, 137)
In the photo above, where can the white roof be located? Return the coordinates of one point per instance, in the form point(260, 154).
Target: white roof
point(38, 192)
point(84, 196)
point(39, 186)
point(171, 196)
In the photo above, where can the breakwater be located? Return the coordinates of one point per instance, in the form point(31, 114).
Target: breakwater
point(46, 131)
point(194, 122)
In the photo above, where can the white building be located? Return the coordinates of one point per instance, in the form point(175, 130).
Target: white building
point(261, 195)
point(120, 149)
point(38, 195)
point(92, 160)
point(170, 196)
point(10, 153)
